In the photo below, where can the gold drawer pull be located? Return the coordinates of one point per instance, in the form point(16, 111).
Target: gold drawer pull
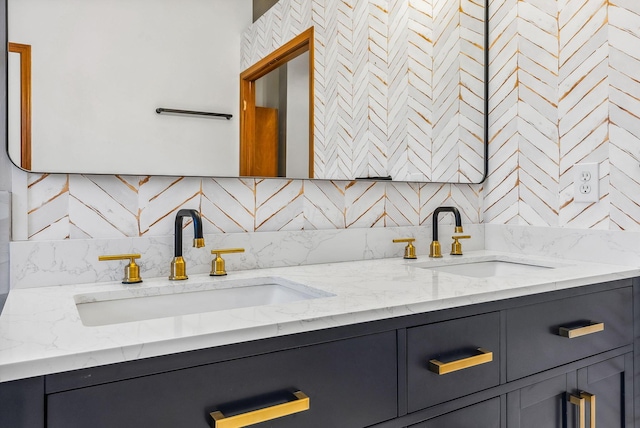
point(441, 368)
point(581, 331)
point(580, 402)
point(262, 415)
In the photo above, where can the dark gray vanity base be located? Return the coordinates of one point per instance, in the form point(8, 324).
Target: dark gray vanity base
point(22, 403)
point(373, 374)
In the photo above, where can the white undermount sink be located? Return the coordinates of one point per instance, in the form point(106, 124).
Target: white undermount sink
point(486, 268)
point(104, 308)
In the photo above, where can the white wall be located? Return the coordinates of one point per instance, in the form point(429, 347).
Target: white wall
point(101, 68)
point(5, 196)
point(5, 220)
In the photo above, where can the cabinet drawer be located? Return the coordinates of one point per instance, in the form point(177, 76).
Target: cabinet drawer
point(534, 340)
point(485, 415)
point(350, 383)
point(452, 341)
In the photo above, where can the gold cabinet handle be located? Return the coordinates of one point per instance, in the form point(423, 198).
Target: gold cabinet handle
point(300, 404)
point(581, 331)
point(580, 402)
point(410, 249)
point(441, 368)
point(131, 271)
point(217, 265)
point(591, 398)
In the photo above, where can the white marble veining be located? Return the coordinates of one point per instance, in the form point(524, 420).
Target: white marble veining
point(41, 331)
point(75, 261)
point(601, 246)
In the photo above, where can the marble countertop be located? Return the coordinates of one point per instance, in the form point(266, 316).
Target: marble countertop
point(41, 331)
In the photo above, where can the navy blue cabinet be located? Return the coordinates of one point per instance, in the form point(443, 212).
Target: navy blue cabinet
point(455, 344)
point(485, 414)
point(602, 390)
point(543, 361)
point(350, 383)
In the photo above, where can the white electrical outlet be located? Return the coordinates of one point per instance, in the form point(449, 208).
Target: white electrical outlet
point(585, 183)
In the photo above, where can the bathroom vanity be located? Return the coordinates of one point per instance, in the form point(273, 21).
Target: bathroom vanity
point(547, 348)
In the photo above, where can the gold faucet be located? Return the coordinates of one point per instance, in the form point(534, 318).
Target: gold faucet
point(456, 246)
point(435, 248)
point(178, 265)
point(217, 265)
point(131, 271)
point(410, 249)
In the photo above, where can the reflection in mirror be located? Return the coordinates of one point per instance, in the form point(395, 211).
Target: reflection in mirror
point(19, 100)
point(401, 96)
point(283, 96)
point(400, 90)
point(277, 113)
point(102, 68)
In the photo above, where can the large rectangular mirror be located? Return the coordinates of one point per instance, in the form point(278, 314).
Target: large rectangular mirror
point(403, 97)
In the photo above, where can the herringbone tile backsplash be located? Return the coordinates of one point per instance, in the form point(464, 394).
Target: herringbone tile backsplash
point(564, 88)
point(79, 206)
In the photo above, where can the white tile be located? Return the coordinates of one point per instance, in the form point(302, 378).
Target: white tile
point(364, 204)
point(324, 204)
point(160, 200)
point(279, 205)
point(103, 206)
point(402, 205)
point(228, 204)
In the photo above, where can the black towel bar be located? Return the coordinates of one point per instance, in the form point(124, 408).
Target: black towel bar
point(195, 113)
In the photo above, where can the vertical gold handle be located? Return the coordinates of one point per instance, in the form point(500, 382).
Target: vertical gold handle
point(591, 398)
point(300, 404)
point(580, 402)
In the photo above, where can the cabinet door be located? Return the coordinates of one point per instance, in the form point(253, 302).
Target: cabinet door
point(605, 388)
point(350, 383)
point(609, 383)
point(541, 405)
point(22, 403)
point(485, 415)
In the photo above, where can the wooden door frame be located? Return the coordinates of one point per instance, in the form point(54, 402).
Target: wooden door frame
point(25, 102)
point(292, 49)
